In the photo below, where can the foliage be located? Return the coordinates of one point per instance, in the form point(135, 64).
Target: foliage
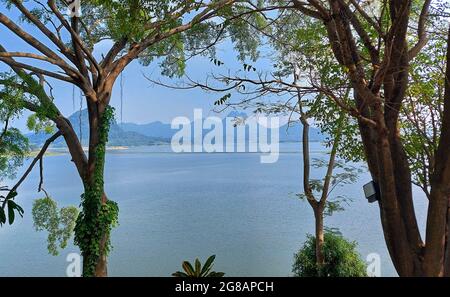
point(198, 271)
point(59, 223)
point(302, 49)
point(96, 219)
point(13, 150)
point(341, 258)
point(222, 99)
point(13, 145)
point(343, 174)
point(422, 112)
point(137, 21)
point(34, 123)
point(304, 73)
point(8, 202)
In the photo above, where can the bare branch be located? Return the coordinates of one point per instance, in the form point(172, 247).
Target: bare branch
point(15, 64)
point(28, 38)
point(302, 6)
point(57, 41)
point(370, 20)
point(75, 38)
point(421, 32)
point(39, 156)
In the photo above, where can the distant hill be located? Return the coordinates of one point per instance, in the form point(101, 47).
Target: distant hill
point(294, 134)
point(117, 135)
point(158, 129)
point(131, 134)
point(154, 129)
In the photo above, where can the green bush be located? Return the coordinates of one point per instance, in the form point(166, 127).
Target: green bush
point(341, 258)
point(199, 270)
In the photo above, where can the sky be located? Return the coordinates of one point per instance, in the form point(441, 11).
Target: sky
point(144, 101)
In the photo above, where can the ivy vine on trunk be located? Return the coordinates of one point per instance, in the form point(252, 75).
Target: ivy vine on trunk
point(99, 215)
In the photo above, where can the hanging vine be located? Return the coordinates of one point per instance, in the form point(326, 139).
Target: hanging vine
point(96, 220)
point(73, 97)
point(80, 117)
point(121, 98)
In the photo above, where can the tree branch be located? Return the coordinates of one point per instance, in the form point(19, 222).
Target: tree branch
point(28, 38)
point(62, 47)
point(14, 64)
point(421, 32)
point(39, 156)
point(367, 17)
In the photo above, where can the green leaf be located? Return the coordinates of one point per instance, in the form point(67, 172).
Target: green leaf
point(15, 206)
point(208, 264)
point(10, 213)
point(223, 99)
point(198, 267)
point(188, 268)
point(2, 216)
point(179, 274)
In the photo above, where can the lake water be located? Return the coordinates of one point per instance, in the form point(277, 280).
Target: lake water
point(176, 207)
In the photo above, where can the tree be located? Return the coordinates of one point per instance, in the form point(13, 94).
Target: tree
point(373, 45)
point(138, 30)
point(342, 259)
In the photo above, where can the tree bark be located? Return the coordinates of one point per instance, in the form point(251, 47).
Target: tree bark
point(447, 243)
point(101, 270)
point(96, 109)
point(74, 145)
point(320, 257)
point(316, 205)
point(437, 219)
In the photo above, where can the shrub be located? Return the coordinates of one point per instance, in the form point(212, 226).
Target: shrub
point(198, 271)
point(341, 258)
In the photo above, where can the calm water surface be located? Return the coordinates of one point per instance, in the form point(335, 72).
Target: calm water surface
point(175, 207)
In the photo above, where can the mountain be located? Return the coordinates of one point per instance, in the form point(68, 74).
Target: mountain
point(158, 129)
point(117, 135)
point(131, 134)
point(154, 129)
point(294, 133)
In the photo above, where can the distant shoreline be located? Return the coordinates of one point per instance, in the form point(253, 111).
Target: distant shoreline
point(115, 148)
point(57, 151)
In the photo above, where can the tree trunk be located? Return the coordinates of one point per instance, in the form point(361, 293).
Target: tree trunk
point(99, 214)
point(383, 148)
point(87, 169)
point(320, 257)
point(447, 240)
point(101, 263)
point(95, 161)
point(101, 270)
